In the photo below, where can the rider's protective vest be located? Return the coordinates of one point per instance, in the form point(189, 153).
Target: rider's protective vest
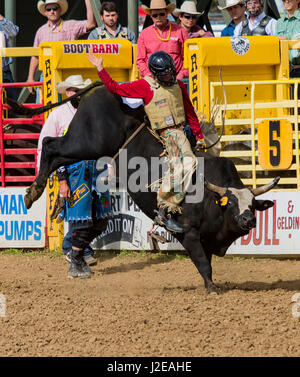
point(166, 108)
point(103, 33)
point(258, 30)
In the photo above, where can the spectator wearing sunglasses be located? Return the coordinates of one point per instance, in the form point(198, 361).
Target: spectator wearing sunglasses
point(236, 10)
point(161, 36)
point(56, 29)
point(188, 17)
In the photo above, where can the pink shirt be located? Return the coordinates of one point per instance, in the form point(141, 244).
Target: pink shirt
point(58, 120)
point(62, 31)
point(149, 42)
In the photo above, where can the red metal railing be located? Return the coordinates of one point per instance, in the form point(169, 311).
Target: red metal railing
point(7, 167)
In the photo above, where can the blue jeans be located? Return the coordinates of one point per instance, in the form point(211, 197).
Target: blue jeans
point(67, 244)
point(8, 78)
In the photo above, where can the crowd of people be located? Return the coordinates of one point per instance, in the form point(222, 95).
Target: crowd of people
point(247, 18)
point(160, 55)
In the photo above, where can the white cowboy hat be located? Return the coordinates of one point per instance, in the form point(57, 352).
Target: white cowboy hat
point(41, 5)
point(158, 4)
point(187, 7)
point(231, 3)
point(74, 81)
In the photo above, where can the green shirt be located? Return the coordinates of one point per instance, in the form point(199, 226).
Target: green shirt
point(289, 27)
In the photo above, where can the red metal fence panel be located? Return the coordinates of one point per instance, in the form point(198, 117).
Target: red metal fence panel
point(18, 141)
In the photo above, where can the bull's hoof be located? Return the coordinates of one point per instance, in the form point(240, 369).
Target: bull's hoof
point(27, 200)
point(211, 288)
point(32, 194)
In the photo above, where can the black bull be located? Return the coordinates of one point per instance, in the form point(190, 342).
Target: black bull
point(100, 127)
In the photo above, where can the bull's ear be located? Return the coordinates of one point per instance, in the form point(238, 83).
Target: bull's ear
point(262, 205)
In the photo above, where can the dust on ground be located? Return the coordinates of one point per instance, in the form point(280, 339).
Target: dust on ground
point(149, 305)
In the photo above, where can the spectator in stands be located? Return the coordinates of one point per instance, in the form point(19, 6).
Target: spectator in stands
point(288, 27)
point(10, 30)
point(256, 21)
point(188, 17)
point(161, 36)
point(111, 27)
point(236, 10)
point(56, 29)
point(71, 177)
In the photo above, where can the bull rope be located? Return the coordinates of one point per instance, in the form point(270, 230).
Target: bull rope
point(129, 140)
point(223, 117)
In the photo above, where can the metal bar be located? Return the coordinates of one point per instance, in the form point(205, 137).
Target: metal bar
point(20, 136)
point(22, 121)
point(96, 4)
point(21, 178)
point(21, 84)
point(19, 151)
point(133, 16)
point(19, 165)
point(16, 52)
point(1, 138)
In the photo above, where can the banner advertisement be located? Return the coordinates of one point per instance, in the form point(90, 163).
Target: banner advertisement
point(277, 231)
point(128, 228)
point(19, 227)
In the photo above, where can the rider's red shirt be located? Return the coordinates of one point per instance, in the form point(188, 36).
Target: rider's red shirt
point(142, 89)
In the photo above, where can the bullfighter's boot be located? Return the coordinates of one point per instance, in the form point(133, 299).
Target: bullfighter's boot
point(78, 267)
point(167, 220)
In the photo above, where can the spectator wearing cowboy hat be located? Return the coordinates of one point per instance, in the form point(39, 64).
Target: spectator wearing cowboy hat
point(82, 215)
point(161, 36)
point(188, 17)
point(236, 10)
point(56, 29)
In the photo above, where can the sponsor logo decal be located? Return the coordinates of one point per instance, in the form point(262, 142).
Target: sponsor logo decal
point(240, 45)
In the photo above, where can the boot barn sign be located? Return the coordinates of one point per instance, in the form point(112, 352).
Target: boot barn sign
point(277, 231)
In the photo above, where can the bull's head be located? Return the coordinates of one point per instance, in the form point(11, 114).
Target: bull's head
point(241, 203)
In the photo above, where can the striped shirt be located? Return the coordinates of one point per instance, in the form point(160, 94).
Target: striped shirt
point(10, 30)
point(62, 31)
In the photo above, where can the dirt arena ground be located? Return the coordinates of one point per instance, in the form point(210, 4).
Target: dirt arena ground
point(149, 305)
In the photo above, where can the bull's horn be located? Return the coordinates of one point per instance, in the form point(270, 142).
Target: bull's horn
point(219, 190)
point(261, 190)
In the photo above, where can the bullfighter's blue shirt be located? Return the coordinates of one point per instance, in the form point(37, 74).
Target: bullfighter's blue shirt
point(228, 30)
point(89, 192)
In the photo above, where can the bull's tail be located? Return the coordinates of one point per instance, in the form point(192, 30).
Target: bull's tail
point(22, 110)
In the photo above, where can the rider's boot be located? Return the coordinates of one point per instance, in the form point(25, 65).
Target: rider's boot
point(167, 220)
point(78, 266)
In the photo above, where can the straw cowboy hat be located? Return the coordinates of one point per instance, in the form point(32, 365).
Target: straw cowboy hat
point(41, 5)
point(74, 81)
point(187, 7)
point(158, 4)
point(231, 3)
